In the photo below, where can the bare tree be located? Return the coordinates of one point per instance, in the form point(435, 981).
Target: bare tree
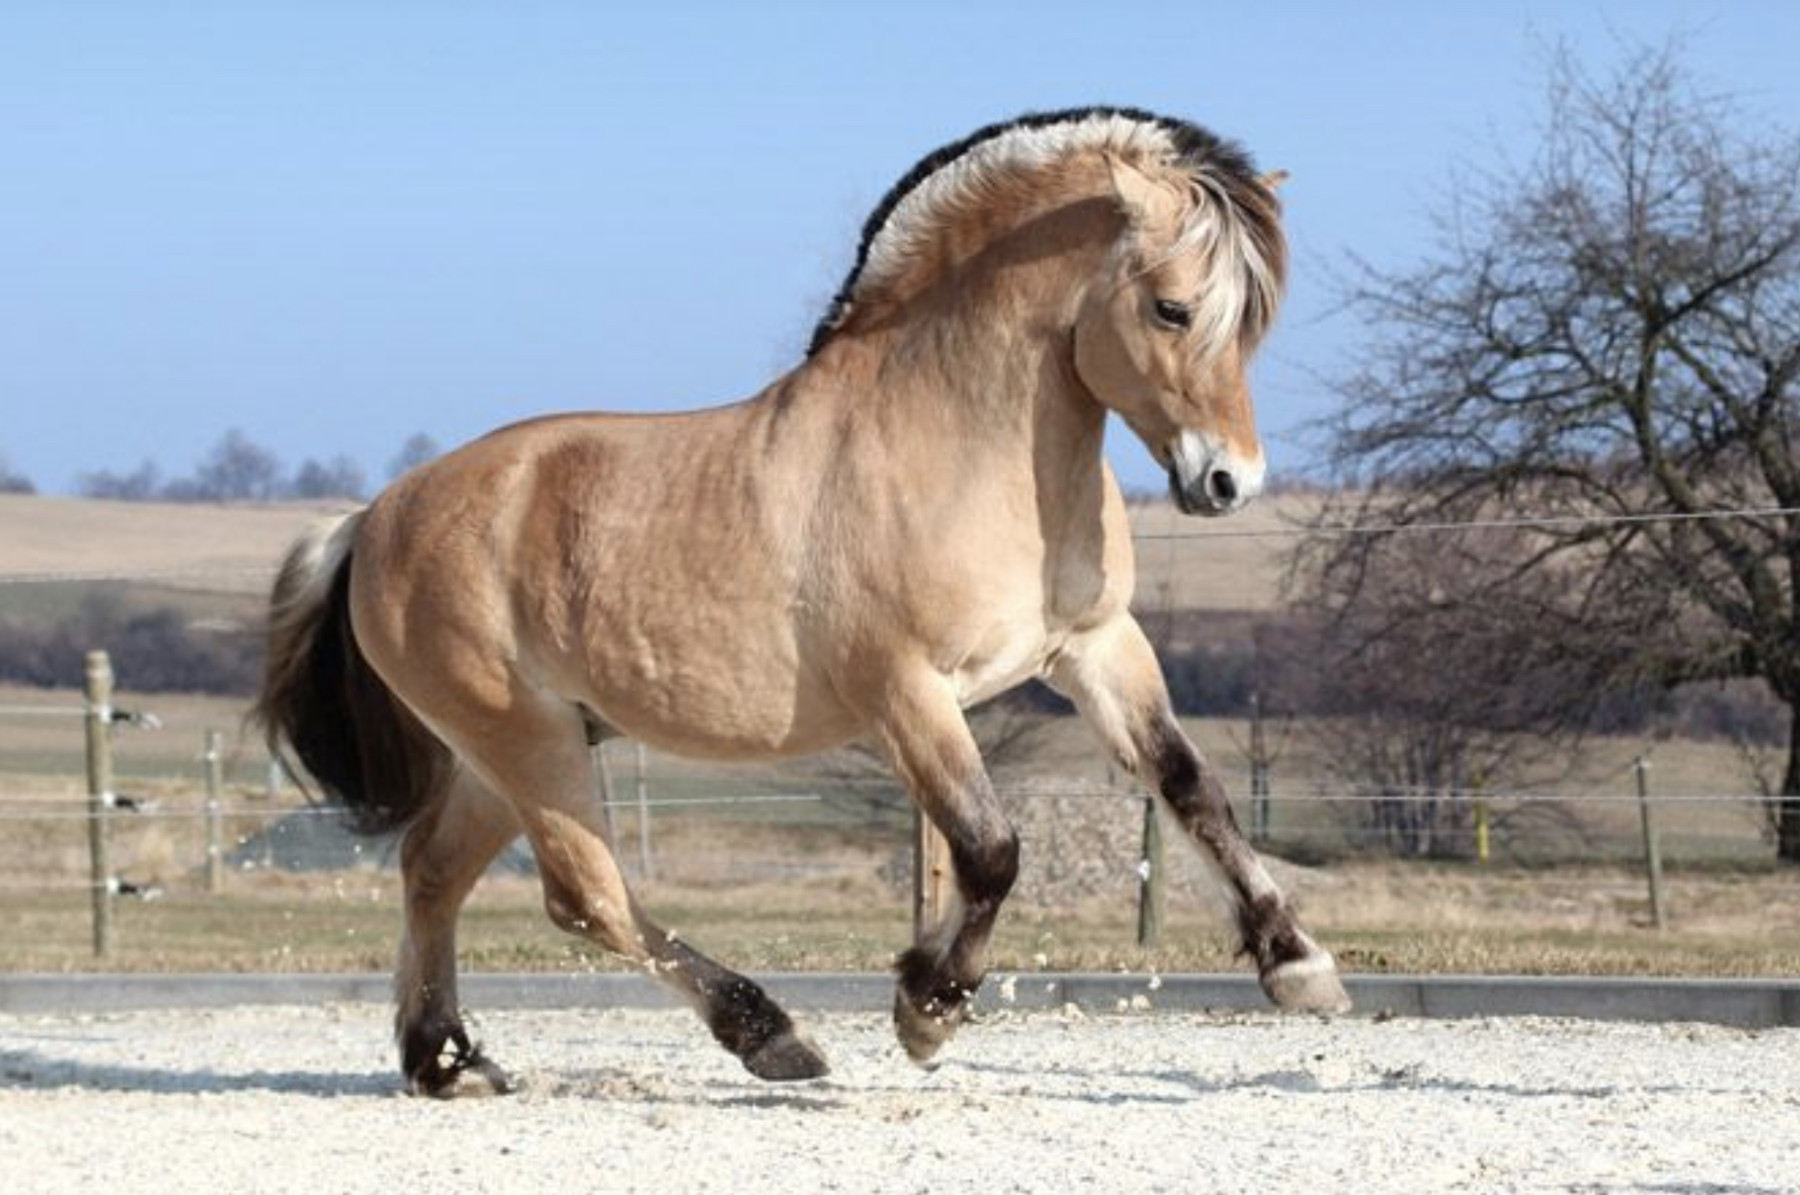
point(418, 450)
point(338, 478)
point(1433, 680)
point(236, 469)
point(1607, 330)
point(14, 483)
point(143, 485)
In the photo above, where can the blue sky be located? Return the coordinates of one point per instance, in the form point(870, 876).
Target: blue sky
point(332, 225)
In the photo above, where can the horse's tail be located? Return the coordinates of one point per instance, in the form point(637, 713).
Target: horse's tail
point(324, 704)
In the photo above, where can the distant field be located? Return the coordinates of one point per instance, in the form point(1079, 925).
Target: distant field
point(181, 546)
point(1230, 563)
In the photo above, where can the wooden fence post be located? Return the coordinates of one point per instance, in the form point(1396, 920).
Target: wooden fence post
point(215, 838)
point(99, 683)
point(933, 874)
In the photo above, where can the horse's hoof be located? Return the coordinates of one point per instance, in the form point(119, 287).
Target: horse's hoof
point(787, 1058)
point(1307, 984)
point(470, 1076)
point(923, 1031)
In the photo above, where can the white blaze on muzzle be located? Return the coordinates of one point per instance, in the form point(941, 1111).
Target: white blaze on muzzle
point(1207, 477)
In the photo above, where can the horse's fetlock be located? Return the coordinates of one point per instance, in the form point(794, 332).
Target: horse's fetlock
point(987, 868)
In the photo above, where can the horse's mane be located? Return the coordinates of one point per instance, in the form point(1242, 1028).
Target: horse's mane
point(1221, 169)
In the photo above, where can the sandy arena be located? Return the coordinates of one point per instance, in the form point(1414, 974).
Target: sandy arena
point(305, 1099)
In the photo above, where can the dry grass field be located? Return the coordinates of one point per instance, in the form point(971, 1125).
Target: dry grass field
point(819, 883)
point(215, 548)
point(1232, 564)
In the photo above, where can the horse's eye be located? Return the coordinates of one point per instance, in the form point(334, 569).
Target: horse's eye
point(1173, 314)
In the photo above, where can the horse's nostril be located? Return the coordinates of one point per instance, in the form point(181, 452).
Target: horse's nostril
point(1221, 486)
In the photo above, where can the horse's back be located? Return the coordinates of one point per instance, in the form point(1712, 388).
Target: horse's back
point(636, 565)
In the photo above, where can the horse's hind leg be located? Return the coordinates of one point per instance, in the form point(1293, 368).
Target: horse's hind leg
point(924, 735)
point(1112, 676)
point(538, 759)
point(442, 856)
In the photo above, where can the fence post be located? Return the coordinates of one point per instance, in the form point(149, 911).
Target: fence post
point(933, 874)
point(215, 838)
point(1259, 774)
point(603, 780)
point(643, 812)
point(98, 675)
point(1652, 846)
point(1151, 878)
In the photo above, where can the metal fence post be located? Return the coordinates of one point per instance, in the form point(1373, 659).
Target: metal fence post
point(1652, 846)
point(215, 839)
point(98, 676)
point(643, 811)
point(1151, 878)
point(1259, 774)
point(604, 791)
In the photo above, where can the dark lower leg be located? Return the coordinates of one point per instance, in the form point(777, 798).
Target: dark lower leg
point(440, 1060)
point(742, 1017)
point(587, 896)
point(1294, 971)
point(939, 978)
point(441, 859)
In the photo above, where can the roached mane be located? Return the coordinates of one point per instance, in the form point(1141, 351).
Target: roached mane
point(1238, 213)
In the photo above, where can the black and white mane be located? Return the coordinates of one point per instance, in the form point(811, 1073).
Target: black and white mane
point(1219, 168)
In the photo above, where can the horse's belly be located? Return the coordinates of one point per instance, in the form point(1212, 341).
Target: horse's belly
point(745, 699)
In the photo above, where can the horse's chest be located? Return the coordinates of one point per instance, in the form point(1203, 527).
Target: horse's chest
point(1005, 653)
point(1011, 635)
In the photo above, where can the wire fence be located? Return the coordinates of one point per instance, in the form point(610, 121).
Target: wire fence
point(197, 809)
point(180, 822)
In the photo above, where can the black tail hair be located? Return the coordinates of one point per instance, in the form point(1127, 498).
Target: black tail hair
point(322, 704)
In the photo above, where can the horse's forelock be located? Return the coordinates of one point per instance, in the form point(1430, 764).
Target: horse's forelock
point(1236, 227)
point(1236, 220)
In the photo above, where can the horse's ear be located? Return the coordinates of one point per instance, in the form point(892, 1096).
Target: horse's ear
point(1146, 202)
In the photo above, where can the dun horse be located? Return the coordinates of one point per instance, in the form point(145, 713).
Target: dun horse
point(916, 518)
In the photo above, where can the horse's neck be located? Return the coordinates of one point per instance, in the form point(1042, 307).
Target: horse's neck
point(984, 349)
point(1004, 406)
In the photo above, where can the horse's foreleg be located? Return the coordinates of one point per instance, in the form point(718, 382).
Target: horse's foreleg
point(443, 854)
point(1112, 676)
point(926, 739)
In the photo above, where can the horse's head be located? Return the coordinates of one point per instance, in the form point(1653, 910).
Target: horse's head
point(1164, 337)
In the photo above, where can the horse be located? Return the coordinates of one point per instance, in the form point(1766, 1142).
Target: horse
point(915, 519)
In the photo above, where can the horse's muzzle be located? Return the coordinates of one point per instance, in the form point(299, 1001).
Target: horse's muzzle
point(1205, 480)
